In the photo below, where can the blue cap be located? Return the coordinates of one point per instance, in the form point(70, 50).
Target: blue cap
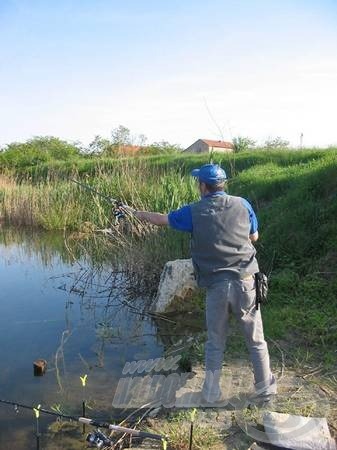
point(210, 174)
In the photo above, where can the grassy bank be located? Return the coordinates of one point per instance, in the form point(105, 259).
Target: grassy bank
point(43, 195)
point(293, 192)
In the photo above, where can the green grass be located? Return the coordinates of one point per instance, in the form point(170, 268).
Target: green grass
point(176, 426)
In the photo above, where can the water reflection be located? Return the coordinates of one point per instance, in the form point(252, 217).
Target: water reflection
point(62, 308)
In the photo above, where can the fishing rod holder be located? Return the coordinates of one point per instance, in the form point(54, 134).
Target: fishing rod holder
point(95, 439)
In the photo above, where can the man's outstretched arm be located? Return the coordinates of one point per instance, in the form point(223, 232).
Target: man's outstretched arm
point(152, 217)
point(180, 219)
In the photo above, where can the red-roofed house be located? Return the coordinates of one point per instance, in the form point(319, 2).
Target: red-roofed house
point(207, 146)
point(129, 150)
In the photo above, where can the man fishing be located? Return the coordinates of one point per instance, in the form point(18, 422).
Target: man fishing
point(222, 229)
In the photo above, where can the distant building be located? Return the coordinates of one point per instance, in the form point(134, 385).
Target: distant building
point(128, 150)
point(207, 146)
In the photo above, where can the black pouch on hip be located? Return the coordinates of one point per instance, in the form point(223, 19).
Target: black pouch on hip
point(261, 286)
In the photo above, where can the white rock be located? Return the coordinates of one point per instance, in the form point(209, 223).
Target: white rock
point(176, 280)
point(298, 432)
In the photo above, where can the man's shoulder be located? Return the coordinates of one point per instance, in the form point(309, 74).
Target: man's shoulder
point(246, 203)
point(182, 211)
point(242, 200)
point(234, 198)
point(209, 201)
point(181, 219)
point(195, 204)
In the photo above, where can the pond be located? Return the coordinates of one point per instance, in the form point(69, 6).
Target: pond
point(73, 315)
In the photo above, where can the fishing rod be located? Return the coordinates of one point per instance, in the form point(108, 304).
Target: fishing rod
point(90, 188)
point(97, 438)
point(119, 210)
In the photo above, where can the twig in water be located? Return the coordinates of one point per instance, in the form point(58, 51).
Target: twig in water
point(88, 366)
point(59, 352)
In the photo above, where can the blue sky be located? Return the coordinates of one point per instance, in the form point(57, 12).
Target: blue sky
point(177, 70)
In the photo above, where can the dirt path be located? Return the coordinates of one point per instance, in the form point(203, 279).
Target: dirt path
point(308, 393)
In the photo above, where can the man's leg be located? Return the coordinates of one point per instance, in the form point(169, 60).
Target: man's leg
point(242, 297)
point(217, 328)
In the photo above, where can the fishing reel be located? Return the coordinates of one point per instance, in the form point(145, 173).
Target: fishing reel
point(117, 211)
point(97, 439)
point(118, 214)
point(121, 211)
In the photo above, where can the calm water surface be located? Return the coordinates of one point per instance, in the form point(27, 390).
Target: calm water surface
point(58, 310)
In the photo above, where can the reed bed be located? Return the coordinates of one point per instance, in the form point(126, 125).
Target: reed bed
point(58, 204)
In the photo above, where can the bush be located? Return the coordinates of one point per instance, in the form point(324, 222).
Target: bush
point(242, 143)
point(276, 143)
point(37, 150)
point(160, 148)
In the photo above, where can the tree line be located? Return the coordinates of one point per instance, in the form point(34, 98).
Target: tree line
point(42, 149)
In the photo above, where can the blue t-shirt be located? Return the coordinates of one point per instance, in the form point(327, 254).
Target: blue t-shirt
point(181, 219)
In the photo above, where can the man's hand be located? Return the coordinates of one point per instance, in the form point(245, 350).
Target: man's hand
point(254, 237)
point(127, 209)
